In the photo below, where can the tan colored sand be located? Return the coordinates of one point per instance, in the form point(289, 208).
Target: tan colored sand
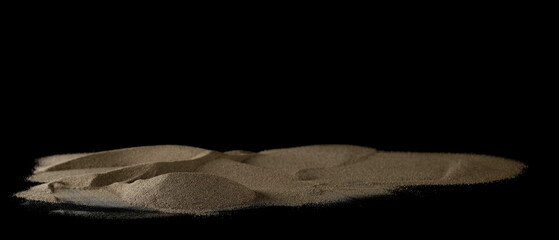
point(185, 179)
point(187, 190)
point(129, 156)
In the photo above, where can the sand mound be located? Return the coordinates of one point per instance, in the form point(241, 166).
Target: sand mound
point(193, 180)
point(186, 191)
point(310, 157)
point(130, 156)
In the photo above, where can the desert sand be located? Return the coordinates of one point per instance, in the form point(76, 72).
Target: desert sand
point(189, 180)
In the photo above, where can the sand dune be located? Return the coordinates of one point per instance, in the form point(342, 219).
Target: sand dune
point(183, 179)
point(192, 191)
point(130, 156)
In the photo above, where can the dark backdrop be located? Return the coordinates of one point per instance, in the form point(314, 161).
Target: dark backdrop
point(480, 120)
point(448, 83)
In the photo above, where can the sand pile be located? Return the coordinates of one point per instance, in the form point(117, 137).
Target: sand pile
point(195, 191)
point(183, 179)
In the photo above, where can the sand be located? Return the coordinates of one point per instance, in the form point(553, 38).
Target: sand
point(188, 180)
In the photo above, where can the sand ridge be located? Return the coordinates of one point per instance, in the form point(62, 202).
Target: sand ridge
point(190, 180)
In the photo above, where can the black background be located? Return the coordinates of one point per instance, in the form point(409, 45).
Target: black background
point(428, 83)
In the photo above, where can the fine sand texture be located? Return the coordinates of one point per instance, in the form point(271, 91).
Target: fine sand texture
point(189, 180)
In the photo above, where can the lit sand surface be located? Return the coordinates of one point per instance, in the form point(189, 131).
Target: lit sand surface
point(189, 180)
